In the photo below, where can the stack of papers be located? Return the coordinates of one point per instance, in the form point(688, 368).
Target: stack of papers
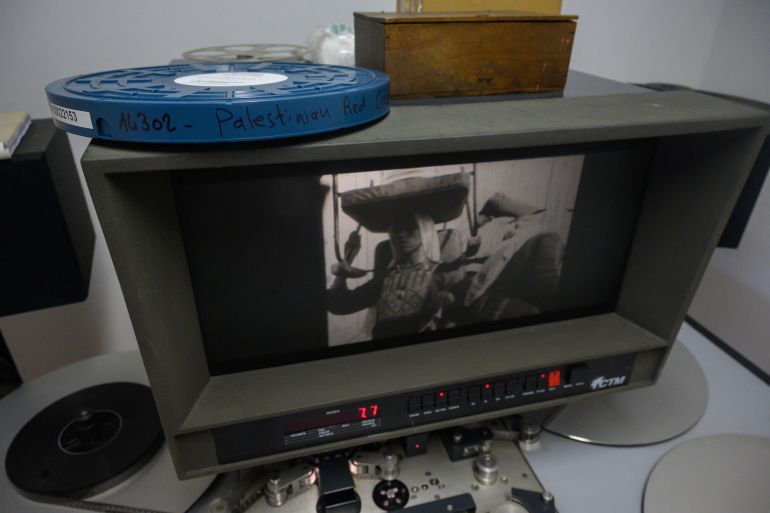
point(13, 126)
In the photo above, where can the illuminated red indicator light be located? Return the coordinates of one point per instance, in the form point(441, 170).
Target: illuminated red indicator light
point(416, 446)
point(554, 378)
point(441, 394)
point(542, 375)
point(487, 386)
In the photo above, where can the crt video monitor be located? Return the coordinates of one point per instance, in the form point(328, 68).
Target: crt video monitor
point(294, 298)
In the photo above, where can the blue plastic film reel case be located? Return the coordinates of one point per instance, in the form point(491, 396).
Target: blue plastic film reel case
point(190, 103)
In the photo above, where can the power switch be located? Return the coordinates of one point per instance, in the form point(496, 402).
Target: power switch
point(577, 374)
point(554, 378)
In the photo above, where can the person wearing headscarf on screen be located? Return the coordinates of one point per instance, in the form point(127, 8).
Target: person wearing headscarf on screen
point(406, 290)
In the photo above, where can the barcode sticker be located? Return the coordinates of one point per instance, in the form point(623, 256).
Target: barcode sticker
point(74, 117)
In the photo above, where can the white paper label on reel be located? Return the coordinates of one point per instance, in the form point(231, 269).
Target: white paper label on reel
point(74, 117)
point(227, 79)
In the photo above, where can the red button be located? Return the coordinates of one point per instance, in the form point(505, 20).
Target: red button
point(554, 378)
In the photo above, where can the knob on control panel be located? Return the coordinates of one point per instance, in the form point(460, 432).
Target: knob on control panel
point(485, 469)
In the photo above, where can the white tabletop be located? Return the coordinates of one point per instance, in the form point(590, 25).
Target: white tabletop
point(588, 478)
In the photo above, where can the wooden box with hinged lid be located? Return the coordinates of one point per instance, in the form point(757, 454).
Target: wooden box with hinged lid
point(462, 54)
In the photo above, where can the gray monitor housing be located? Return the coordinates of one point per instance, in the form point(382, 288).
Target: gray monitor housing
point(699, 150)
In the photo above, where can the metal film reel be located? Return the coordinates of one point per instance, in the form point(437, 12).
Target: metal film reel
point(247, 53)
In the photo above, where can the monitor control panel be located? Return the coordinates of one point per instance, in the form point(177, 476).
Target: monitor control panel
point(318, 427)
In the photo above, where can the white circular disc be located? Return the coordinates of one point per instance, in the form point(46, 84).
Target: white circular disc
point(231, 79)
point(713, 474)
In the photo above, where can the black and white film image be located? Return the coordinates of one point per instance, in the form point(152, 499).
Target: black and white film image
point(417, 250)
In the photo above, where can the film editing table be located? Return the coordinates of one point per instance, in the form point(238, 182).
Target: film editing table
point(582, 476)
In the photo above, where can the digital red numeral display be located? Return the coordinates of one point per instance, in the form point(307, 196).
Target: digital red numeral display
point(368, 412)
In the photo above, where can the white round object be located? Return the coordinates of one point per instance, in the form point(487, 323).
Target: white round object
point(512, 507)
point(713, 474)
point(231, 79)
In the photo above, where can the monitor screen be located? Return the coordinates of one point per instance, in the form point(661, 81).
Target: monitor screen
point(288, 268)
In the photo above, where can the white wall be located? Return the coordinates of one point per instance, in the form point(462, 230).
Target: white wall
point(691, 42)
point(44, 40)
point(644, 41)
point(733, 300)
point(739, 60)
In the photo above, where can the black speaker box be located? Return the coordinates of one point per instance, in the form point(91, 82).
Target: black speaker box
point(46, 235)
